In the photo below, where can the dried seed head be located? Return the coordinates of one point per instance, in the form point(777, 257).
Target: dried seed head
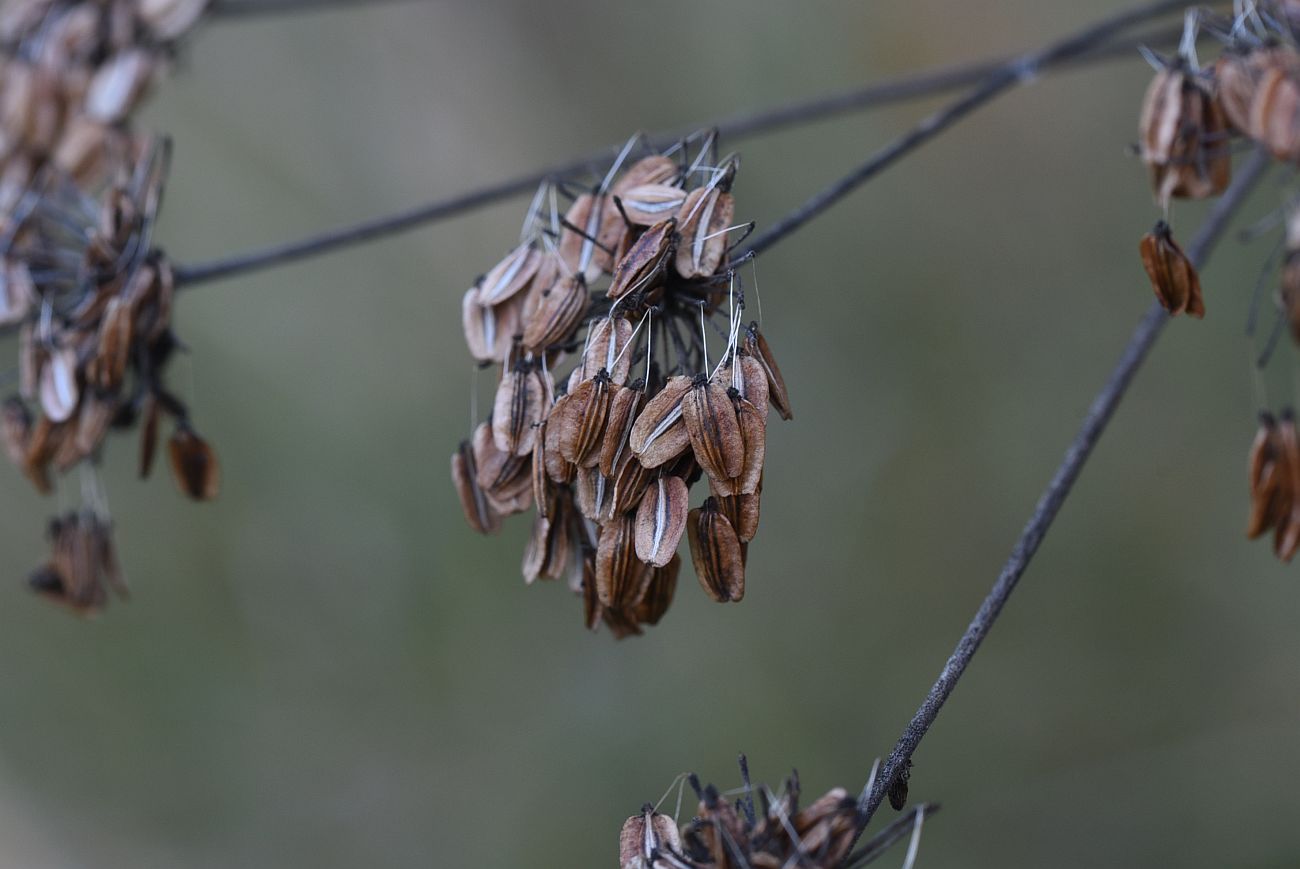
point(194, 464)
point(716, 552)
point(1173, 277)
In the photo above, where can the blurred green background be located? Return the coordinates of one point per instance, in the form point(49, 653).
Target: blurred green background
point(326, 668)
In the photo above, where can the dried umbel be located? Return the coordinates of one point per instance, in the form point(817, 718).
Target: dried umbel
point(83, 567)
point(609, 404)
point(765, 830)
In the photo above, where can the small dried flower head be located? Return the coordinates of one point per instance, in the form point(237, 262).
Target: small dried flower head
point(629, 281)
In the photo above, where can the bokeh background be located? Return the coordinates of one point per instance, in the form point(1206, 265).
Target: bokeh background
point(326, 668)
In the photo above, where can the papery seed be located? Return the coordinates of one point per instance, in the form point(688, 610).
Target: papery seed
point(659, 435)
point(714, 431)
point(661, 520)
point(644, 266)
point(704, 218)
point(654, 169)
point(716, 552)
point(606, 349)
point(510, 275)
point(648, 204)
point(659, 593)
point(624, 407)
point(59, 392)
point(621, 578)
point(478, 512)
point(550, 316)
point(518, 409)
point(1173, 277)
point(118, 86)
point(194, 464)
point(756, 347)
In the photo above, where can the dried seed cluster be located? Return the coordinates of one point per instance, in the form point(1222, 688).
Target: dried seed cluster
point(80, 280)
point(628, 282)
point(1191, 118)
point(774, 834)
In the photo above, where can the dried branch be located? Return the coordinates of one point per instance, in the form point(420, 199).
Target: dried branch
point(1022, 69)
point(885, 839)
point(805, 112)
point(1076, 456)
point(249, 8)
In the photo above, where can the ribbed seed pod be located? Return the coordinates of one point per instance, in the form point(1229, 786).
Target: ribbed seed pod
point(1173, 277)
point(661, 520)
point(659, 435)
point(716, 552)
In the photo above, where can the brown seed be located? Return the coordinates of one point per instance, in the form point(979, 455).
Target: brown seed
point(659, 594)
point(115, 334)
point(704, 217)
point(1237, 75)
point(644, 266)
point(607, 349)
point(659, 435)
point(518, 409)
point(1287, 540)
point(490, 330)
point(1270, 480)
point(756, 347)
point(588, 254)
point(194, 464)
point(97, 413)
point(558, 469)
point(1173, 277)
point(505, 478)
point(511, 275)
point(747, 377)
point(624, 407)
point(661, 519)
point(648, 204)
point(478, 512)
point(742, 511)
point(753, 432)
point(1183, 136)
point(551, 315)
point(118, 86)
point(655, 169)
point(628, 483)
point(543, 487)
point(621, 578)
point(716, 552)
point(714, 431)
point(45, 443)
point(644, 837)
point(1275, 113)
point(585, 420)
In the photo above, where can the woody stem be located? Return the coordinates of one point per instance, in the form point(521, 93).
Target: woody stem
point(1097, 47)
point(1076, 456)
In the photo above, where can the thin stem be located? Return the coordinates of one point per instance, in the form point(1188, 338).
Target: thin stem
point(250, 8)
point(885, 839)
point(797, 114)
point(1076, 456)
point(1020, 70)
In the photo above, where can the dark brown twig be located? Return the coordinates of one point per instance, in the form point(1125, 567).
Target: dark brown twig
point(1076, 456)
point(809, 111)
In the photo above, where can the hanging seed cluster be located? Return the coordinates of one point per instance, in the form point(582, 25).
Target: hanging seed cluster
point(81, 282)
point(1192, 118)
point(773, 834)
point(627, 374)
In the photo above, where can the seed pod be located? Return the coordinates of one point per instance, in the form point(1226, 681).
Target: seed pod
point(704, 218)
point(537, 550)
point(505, 478)
point(510, 275)
point(624, 407)
point(659, 594)
point(644, 837)
point(551, 315)
point(58, 384)
point(148, 435)
point(745, 374)
point(654, 169)
point(1270, 480)
point(97, 413)
point(1183, 136)
point(543, 487)
point(108, 366)
point(714, 431)
point(659, 435)
point(621, 578)
point(606, 350)
point(742, 511)
point(1275, 113)
point(1286, 541)
point(194, 464)
point(588, 254)
point(15, 429)
point(118, 86)
point(755, 346)
point(643, 267)
point(45, 443)
point(489, 330)
point(753, 432)
point(518, 409)
point(629, 483)
point(478, 512)
point(1173, 277)
point(585, 421)
point(660, 520)
point(648, 204)
point(1237, 75)
point(558, 469)
point(716, 552)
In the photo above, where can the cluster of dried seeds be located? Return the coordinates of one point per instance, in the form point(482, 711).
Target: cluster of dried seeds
point(608, 452)
point(773, 834)
point(80, 280)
